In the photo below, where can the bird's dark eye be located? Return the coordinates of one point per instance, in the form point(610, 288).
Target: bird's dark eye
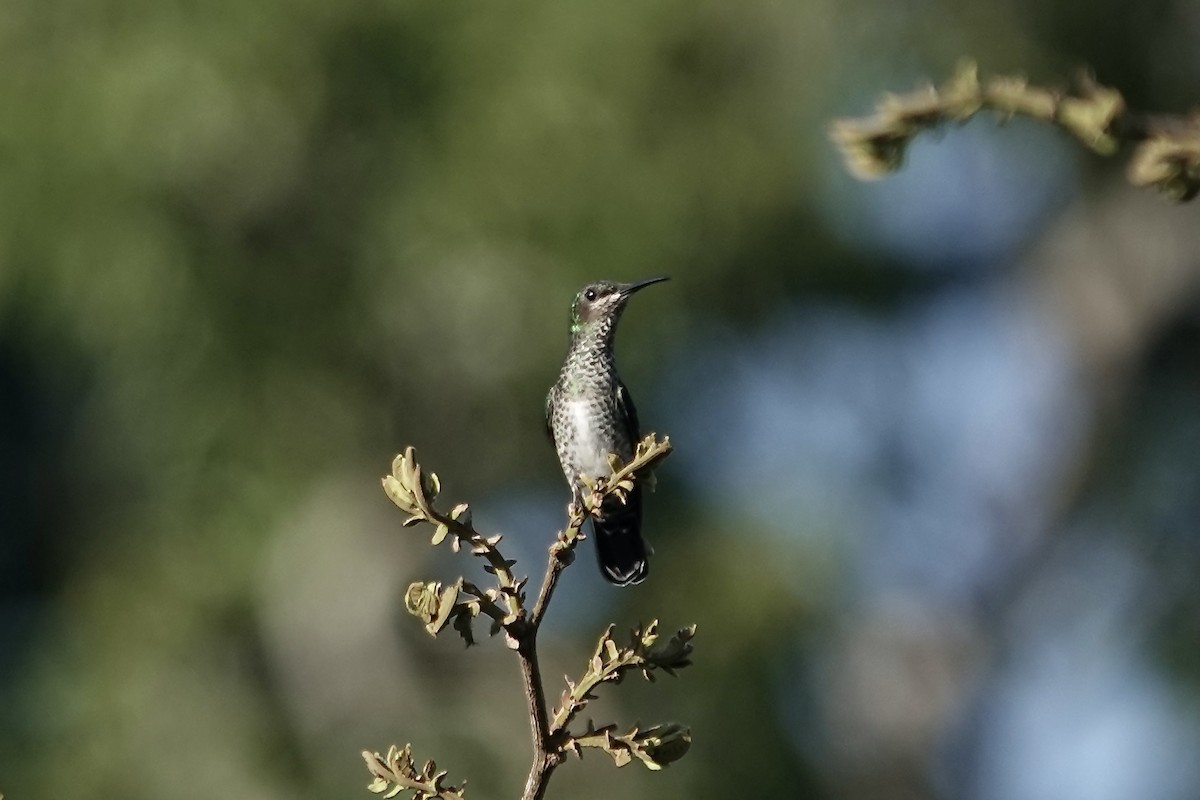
point(590, 294)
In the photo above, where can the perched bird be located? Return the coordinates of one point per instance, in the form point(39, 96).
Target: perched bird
point(590, 414)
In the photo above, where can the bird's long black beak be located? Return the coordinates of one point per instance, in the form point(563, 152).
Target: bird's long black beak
point(627, 289)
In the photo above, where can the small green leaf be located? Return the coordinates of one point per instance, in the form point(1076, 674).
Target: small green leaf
point(664, 744)
point(446, 601)
point(397, 463)
point(462, 624)
point(403, 498)
point(675, 652)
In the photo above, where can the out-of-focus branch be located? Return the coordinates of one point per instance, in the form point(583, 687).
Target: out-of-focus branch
point(1166, 152)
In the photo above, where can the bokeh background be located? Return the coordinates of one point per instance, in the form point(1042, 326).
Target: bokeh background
point(935, 504)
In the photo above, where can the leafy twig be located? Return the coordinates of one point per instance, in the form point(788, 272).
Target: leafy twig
point(1166, 153)
point(610, 663)
point(457, 605)
point(414, 492)
point(397, 772)
point(655, 747)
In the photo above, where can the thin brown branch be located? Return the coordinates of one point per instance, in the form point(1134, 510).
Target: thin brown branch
point(546, 756)
point(554, 567)
point(459, 603)
point(548, 739)
point(561, 556)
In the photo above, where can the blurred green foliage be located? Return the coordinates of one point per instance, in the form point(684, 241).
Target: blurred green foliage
point(249, 250)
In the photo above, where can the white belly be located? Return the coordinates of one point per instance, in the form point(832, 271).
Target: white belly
point(591, 454)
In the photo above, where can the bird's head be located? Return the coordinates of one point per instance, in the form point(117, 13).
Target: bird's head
point(604, 300)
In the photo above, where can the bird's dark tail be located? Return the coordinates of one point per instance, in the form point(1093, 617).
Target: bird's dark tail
point(620, 548)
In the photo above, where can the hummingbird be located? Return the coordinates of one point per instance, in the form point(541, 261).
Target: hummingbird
point(590, 414)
